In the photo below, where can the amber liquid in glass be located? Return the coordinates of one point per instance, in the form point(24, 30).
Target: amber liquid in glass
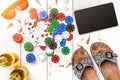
point(19, 73)
point(9, 59)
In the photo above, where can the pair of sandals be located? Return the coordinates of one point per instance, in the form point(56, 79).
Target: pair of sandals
point(103, 56)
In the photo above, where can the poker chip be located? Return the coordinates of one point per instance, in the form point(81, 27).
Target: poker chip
point(70, 37)
point(47, 40)
point(52, 16)
point(50, 29)
point(68, 19)
point(61, 16)
point(61, 28)
point(28, 46)
point(54, 23)
point(43, 15)
point(63, 42)
point(56, 32)
point(30, 58)
point(70, 28)
point(17, 38)
point(54, 10)
point(49, 54)
point(65, 34)
point(48, 50)
point(41, 57)
point(58, 38)
point(33, 13)
point(55, 58)
point(43, 47)
point(65, 50)
point(58, 49)
point(52, 45)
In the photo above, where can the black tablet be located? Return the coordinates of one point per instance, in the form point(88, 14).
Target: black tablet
point(96, 18)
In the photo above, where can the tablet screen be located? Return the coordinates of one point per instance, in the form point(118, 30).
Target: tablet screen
point(96, 18)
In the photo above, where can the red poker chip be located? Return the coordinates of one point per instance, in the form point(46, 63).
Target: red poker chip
point(17, 37)
point(43, 47)
point(55, 58)
point(70, 37)
point(61, 16)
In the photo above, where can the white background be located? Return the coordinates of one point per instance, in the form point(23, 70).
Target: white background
point(49, 70)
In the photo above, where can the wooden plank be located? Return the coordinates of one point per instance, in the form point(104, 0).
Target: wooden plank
point(58, 71)
point(37, 69)
point(7, 44)
point(81, 39)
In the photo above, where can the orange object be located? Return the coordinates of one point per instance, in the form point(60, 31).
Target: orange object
point(10, 13)
point(17, 38)
point(33, 13)
point(23, 4)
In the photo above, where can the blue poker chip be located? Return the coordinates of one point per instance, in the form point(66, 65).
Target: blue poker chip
point(43, 14)
point(30, 58)
point(59, 31)
point(68, 19)
point(55, 33)
point(61, 28)
point(63, 42)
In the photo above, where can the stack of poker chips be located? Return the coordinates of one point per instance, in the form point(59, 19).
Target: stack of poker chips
point(59, 31)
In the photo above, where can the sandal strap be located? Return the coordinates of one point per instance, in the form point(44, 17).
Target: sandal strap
point(110, 56)
point(79, 68)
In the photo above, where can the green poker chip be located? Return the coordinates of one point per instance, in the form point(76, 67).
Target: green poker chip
point(54, 10)
point(47, 40)
point(50, 29)
point(28, 46)
point(49, 54)
point(54, 23)
point(65, 50)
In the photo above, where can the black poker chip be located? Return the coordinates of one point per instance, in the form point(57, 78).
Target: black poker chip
point(53, 16)
point(52, 45)
point(70, 28)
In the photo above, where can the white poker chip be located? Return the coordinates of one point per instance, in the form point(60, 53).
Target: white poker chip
point(58, 50)
point(41, 57)
point(65, 35)
point(48, 50)
point(58, 38)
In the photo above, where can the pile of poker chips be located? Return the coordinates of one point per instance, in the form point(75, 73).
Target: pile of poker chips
point(58, 32)
point(61, 29)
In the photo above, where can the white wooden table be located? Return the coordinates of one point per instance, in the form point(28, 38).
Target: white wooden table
point(48, 70)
